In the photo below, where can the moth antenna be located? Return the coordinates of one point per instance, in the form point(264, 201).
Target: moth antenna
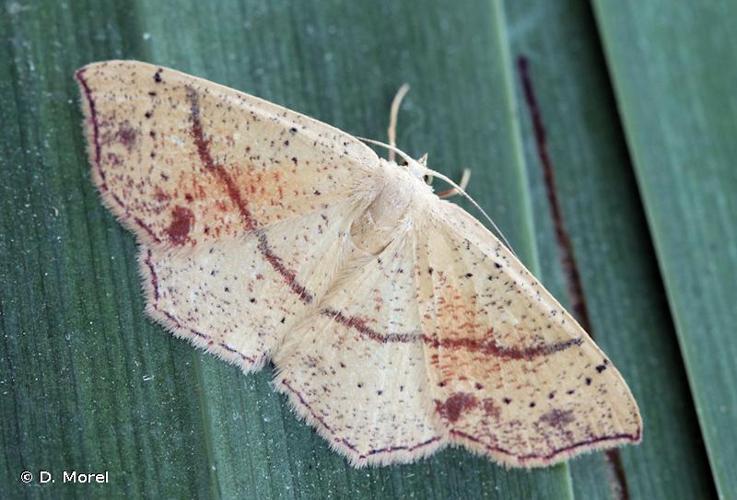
point(463, 184)
point(459, 190)
point(393, 114)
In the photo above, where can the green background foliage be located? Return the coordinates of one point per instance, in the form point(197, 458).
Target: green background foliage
point(639, 112)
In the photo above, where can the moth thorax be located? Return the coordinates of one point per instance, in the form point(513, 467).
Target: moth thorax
point(381, 222)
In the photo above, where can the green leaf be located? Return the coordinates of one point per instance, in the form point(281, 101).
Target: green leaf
point(674, 80)
point(643, 183)
point(87, 381)
point(601, 212)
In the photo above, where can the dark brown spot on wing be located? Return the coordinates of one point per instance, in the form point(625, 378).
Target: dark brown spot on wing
point(491, 409)
point(558, 418)
point(127, 135)
point(182, 220)
point(455, 405)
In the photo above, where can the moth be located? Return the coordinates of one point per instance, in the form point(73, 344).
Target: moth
point(397, 323)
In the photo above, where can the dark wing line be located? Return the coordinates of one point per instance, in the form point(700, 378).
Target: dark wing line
point(203, 150)
point(634, 438)
point(487, 346)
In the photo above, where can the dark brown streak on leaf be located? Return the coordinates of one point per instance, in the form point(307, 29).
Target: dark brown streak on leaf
point(563, 239)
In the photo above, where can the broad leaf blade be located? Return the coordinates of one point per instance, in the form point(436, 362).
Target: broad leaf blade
point(601, 212)
point(674, 80)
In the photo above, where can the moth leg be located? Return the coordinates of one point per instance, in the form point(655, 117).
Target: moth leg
point(393, 112)
point(449, 193)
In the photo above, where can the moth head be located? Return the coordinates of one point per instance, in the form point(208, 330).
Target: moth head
point(418, 168)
